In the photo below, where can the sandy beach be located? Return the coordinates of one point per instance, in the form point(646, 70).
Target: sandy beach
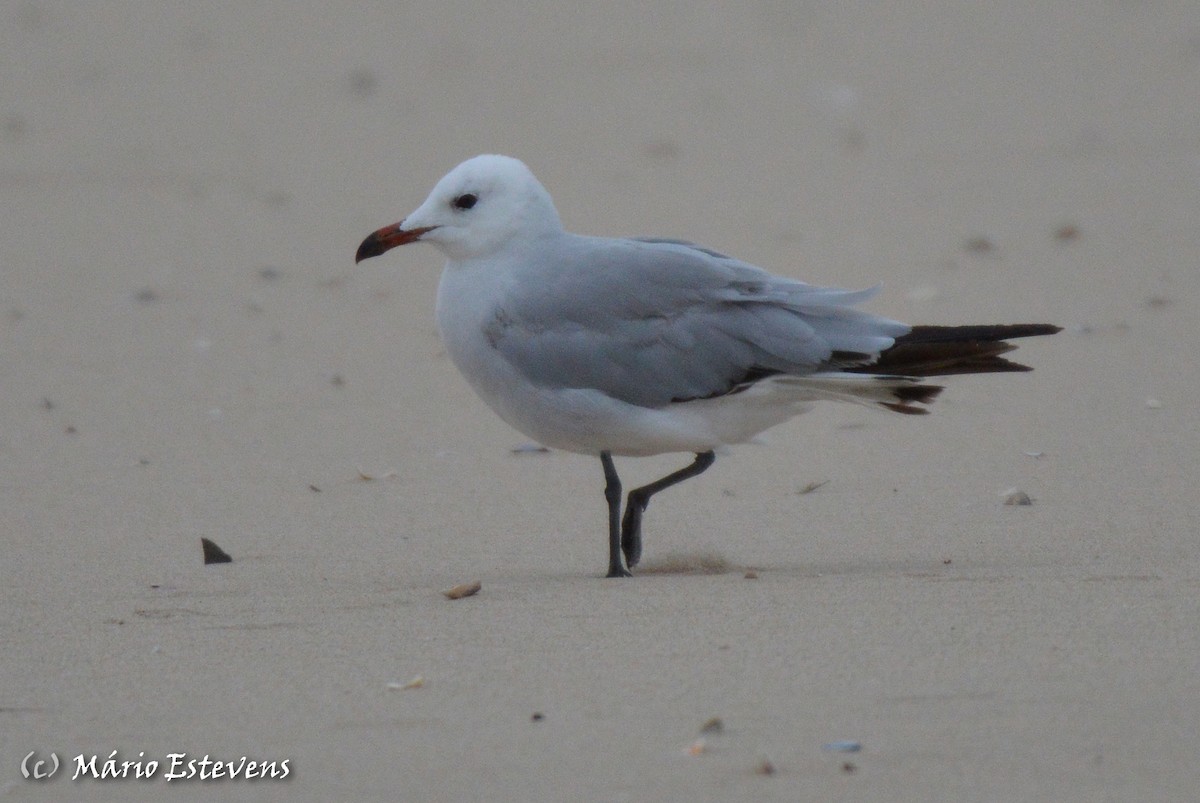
point(188, 351)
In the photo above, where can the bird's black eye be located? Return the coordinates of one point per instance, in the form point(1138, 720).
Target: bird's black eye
point(465, 201)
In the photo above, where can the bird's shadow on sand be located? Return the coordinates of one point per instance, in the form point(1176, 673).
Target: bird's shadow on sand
point(934, 568)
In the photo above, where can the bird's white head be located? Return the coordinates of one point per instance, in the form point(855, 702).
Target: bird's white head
point(475, 210)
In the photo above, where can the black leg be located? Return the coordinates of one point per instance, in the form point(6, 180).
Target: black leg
point(639, 498)
point(612, 494)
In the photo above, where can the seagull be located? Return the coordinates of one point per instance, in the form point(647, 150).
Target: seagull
point(643, 346)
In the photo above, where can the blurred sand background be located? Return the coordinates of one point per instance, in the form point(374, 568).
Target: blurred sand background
point(187, 350)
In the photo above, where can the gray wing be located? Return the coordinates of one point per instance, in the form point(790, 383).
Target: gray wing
point(656, 321)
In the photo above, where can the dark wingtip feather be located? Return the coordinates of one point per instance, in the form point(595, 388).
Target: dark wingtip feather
point(985, 333)
point(947, 350)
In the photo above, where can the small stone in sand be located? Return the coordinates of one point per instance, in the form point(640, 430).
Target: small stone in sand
point(697, 747)
point(1067, 232)
point(362, 82)
point(214, 553)
point(843, 746)
point(979, 244)
point(529, 448)
point(765, 767)
point(714, 725)
point(537, 716)
point(463, 590)
point(750, 574)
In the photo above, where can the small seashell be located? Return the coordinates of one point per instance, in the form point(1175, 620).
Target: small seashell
point(1015, 496)
point(365, 477)
point(416, 683)
point(463, 590)
point(697, 747)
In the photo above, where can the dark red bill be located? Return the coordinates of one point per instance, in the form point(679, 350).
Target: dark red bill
point(388, 238)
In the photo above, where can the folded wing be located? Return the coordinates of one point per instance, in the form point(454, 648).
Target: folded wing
point(651, 322)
